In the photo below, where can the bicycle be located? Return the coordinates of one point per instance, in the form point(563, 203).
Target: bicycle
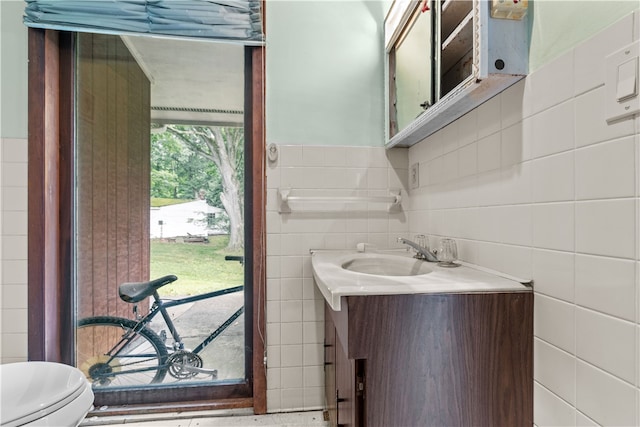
point(116, 351)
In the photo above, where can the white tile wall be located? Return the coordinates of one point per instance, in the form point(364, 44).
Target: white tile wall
point(549, 131)
point(295, 308)
point(606, 342)
point(598, 166)
point(549, 410)
point(553, 226)
point(555, 369)
point(553, 195)
point(553, 178)
point(13, 251)
point(604, 397)
point(606, 284)
point(554, 272)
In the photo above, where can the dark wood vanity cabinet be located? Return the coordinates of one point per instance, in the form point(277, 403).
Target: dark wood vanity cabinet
point(430, 360)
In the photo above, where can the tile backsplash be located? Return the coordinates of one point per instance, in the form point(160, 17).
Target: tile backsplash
point(295, 324)
point(535, 183)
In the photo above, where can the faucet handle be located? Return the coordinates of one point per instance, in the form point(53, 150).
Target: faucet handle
point(422, 241)
point(448, 252)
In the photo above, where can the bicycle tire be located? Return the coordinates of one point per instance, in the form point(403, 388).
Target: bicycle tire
point(141, 361)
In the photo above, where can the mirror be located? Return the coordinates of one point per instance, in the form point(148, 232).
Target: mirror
point(413, 66)
point(431, 56)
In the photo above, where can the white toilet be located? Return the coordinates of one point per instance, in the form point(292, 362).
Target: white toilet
point(43, 394)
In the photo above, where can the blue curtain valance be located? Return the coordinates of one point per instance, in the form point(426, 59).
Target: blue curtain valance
point(230, 20)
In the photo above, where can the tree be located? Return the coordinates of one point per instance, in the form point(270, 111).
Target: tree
point(179, 173)
point(164, 184)
point(224, 146)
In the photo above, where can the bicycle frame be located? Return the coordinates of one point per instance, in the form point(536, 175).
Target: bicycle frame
point(161, 306)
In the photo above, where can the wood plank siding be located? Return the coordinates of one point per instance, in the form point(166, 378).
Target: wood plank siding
point(113, 148)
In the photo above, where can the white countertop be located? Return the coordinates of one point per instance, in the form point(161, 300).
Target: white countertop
point(335, 282)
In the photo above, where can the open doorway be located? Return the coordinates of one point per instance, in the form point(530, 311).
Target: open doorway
point(158, 310)
point(53, 60)
point(197, 218)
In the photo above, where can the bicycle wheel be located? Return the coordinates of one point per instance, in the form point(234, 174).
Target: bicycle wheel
point(111, 354)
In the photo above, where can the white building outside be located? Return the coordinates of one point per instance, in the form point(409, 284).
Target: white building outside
point(184, 219)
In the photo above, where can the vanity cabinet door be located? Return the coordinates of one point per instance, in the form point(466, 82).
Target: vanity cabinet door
point(437, 360)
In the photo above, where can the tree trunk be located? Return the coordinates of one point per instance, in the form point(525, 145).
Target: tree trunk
point(231, 191)
point(236, 223)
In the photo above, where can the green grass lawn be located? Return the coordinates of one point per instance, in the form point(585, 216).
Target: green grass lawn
point(200, 267)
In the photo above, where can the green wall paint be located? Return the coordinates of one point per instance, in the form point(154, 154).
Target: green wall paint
point(325, 72)
point(325, 66)
point(13, 70)
point(557, 26)
point(324, 63)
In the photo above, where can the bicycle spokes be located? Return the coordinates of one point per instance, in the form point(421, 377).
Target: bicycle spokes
point(112, 354)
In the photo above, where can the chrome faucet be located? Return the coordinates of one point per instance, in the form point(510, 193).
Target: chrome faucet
point(421, 252)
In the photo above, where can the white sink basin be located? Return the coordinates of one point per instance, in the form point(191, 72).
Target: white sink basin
point(343, 273)
point(387, 265)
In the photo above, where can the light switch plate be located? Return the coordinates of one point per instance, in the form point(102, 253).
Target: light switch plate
point(414, 176)
point(622, 74)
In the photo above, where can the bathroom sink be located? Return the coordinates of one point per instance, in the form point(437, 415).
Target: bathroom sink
point(381, 265)
point(342, 273)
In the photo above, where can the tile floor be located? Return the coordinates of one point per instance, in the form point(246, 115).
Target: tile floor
point(236, 418)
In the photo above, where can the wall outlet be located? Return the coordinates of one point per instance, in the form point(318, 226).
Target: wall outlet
point(414, 175)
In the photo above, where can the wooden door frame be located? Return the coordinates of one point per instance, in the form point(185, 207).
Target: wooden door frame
point(50, 189)
point(50, 213)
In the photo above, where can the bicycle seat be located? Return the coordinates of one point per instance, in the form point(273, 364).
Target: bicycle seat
point(137, 291)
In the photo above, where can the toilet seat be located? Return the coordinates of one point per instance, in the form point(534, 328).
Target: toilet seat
point(37, 390)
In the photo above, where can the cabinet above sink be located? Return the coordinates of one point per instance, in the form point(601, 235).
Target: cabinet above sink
point(446, 57)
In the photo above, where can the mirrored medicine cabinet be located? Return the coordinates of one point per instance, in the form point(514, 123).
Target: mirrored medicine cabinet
point(446, 57)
